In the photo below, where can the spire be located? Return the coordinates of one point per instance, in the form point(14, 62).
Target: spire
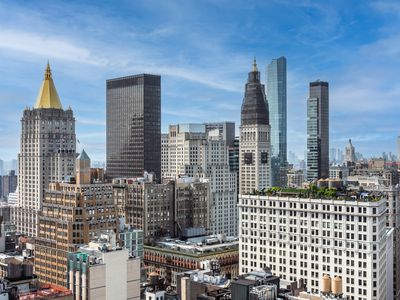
point(83, 155)
point(48, 96)
point(255, 69)
point(47, 74)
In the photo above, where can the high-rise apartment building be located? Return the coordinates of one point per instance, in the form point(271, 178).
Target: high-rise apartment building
point(47, 153)
point(134, 126)
point(255, 155)
point(73, 213)
point(277, 103)
point(318, 131)
point(201, 151)
point(306, 238)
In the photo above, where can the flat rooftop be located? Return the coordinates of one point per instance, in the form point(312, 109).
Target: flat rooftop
point(198, 245)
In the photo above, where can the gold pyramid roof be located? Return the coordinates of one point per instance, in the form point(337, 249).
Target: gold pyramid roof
point(48, 96)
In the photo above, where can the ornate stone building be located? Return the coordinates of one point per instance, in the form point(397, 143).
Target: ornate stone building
point(47, 153)
point(255, 160)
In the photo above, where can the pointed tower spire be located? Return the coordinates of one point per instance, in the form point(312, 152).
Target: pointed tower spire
point(255, 69)
point(48, 96)
point(47, 74)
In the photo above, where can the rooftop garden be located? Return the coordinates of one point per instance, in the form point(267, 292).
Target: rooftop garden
point(315, 192)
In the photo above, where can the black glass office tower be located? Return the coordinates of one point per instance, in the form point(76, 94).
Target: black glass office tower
point(277, 101)
point(134, 126)
point(318, 131)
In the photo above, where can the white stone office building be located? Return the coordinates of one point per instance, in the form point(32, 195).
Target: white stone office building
point(102, 270)
point(201, 151)
point(307, 238)
point(255, 144)
point(47, 153)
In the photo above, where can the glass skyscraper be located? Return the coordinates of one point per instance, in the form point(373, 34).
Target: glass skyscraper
point(277, 101)
point(318, 131)
point(134, 126)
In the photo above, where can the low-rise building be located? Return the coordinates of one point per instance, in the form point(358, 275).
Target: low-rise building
point(169, 257)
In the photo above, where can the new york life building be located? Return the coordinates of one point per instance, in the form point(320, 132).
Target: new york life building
point(47, 153)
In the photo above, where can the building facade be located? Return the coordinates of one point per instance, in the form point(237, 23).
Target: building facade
point(134, 126)
point(277, 103)
point(255, 152)
point(47, 153)
point(305, 238)
point(192, 205)
point(168, 258)
point(8, 184)
point(93, 268)
point(146, 205)
point(318, 131)
point(73, 213)
point(202, 151)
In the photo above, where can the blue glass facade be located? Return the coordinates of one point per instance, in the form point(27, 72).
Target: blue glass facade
point(277, 101)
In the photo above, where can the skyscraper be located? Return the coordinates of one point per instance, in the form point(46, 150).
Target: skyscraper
point(318, 131)
point(277, 102)
point(47, 153)
point(255, 160)
point(134, 126)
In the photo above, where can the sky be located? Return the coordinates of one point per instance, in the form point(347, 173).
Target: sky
point(203, 51)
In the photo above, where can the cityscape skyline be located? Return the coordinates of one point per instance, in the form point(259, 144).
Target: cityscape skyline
point(83, 59)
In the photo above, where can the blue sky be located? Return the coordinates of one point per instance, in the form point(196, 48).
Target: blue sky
point(203, 51)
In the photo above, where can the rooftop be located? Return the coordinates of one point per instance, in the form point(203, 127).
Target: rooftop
point(199, 246)
point(314, 192)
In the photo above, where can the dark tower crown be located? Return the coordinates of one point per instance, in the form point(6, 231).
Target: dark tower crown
point(254, 106)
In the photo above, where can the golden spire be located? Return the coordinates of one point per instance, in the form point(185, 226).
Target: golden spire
point(48, 96)
point(255, 65)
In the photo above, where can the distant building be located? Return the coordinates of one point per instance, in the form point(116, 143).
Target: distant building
point(318, 131)
point(398, 148)
point(339, 172)
point(255, 147)
point(47, 153)
point(350, 153)
point(169, 257)
point(295, 178)
point(73, 213)
point(132, 239)
point(102, 271)
point(8, 184)
point(277, 102)
point(134, 126)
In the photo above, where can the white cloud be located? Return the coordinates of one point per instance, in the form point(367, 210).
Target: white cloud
point(47, 46)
